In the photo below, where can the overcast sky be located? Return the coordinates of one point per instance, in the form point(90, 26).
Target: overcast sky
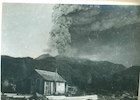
point(25, 29)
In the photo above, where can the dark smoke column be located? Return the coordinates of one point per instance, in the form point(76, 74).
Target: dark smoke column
point(97, 32)
point(60, 36)
point(64, 18)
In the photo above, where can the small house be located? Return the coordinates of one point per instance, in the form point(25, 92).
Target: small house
point(47, 83)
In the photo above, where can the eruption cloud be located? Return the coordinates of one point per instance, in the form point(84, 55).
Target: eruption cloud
point(97, 32)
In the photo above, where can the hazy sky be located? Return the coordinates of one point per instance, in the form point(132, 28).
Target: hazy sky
point(108, 33)
point(25, 29)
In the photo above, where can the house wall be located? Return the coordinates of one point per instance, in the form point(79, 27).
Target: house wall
point(46, 88)
point(40, 85)
point(49, 88)
point(60, 88)
point(52, 88)
point(37, 84)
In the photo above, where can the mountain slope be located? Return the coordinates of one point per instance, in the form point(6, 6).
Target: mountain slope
point(14, 71)
point(43, 56)
point(78, 68)
point(127, 79)
point(83, 73)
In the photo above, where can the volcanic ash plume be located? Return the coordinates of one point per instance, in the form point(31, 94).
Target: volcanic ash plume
point(63, 19)
point(97, 32)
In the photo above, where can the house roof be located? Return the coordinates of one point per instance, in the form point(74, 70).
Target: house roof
point(50, 76)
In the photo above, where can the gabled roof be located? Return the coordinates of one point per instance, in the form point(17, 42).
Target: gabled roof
point(50, 76)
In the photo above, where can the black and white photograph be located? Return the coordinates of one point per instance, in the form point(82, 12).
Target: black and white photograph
point(70, 51)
